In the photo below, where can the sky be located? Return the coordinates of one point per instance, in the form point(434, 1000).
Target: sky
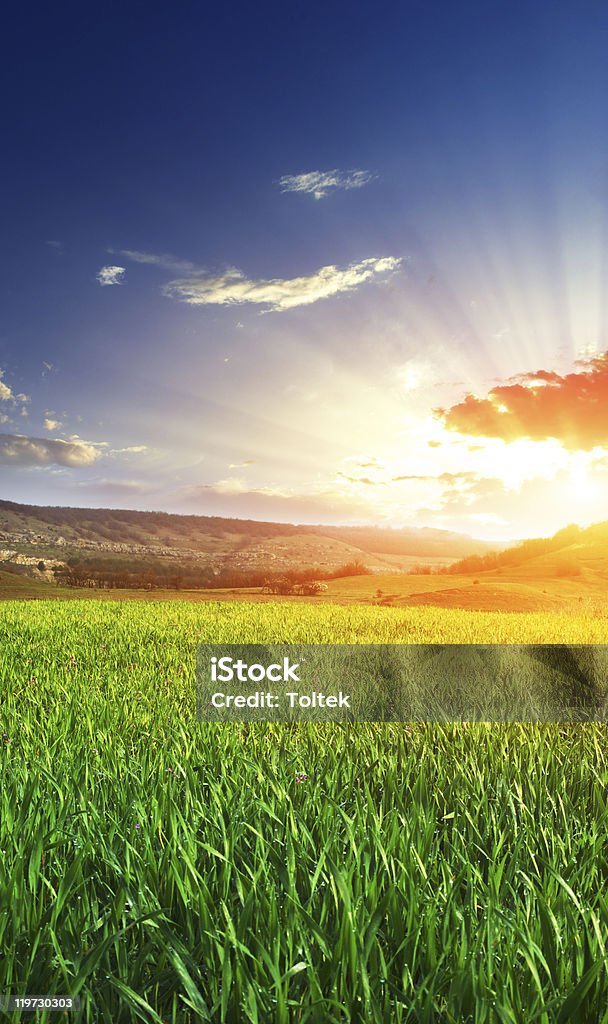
point(345, 265)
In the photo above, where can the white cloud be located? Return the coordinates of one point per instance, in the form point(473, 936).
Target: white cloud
point(228, 486)
point(114, 488)
point(232, 287)
point(6, 394)
point(52, 424)
point(164, 260)
point(110, 275)
point(320, 183)
point(18, 450)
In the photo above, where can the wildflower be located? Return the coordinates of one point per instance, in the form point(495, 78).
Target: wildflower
point(301, 777)
point(137, 827)
point(5, 737)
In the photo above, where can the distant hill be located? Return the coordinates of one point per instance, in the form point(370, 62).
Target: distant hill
point(31, 532)
point(567, 572)
point(119, 548)
point(566, 553)
point(421, 542)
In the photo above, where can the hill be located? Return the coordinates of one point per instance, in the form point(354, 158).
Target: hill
point(200, 549)
point(568, 571)
point(223, 559)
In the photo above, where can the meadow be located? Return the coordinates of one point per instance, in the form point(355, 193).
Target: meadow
point(167, 870)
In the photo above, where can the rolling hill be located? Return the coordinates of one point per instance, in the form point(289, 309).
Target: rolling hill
point(120, 537)
point(567, 571)
point(564, 572)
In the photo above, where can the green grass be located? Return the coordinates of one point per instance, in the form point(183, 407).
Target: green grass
point(167, 870)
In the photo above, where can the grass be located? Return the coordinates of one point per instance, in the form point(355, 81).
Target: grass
point(171, 871)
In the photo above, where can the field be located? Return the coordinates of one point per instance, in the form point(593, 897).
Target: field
point(171, 871)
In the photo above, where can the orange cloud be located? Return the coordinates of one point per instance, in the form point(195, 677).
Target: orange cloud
point(573, 409)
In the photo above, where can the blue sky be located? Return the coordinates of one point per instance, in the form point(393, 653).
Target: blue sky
point(251, 254)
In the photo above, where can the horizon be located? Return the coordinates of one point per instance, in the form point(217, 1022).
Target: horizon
point(387, 527)
point(374, 295)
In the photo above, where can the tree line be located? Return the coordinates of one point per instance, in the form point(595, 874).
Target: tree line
point(518, 554)
point(93, 575)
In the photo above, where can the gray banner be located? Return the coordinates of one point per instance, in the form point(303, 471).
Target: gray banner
point(402, 682)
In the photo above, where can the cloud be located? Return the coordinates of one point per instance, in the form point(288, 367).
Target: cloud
point(109, 488)
point(232, 287)
point(362, 480)
point(164, 260)
point(462, 487)
point(5, 392)
point(110, 275)
point(466, 488)
point(231, 485)
point(541, 405)
point(242, 465)
point(52, 424)
point(58, 247)
point(320, 183)
point(18, 450)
